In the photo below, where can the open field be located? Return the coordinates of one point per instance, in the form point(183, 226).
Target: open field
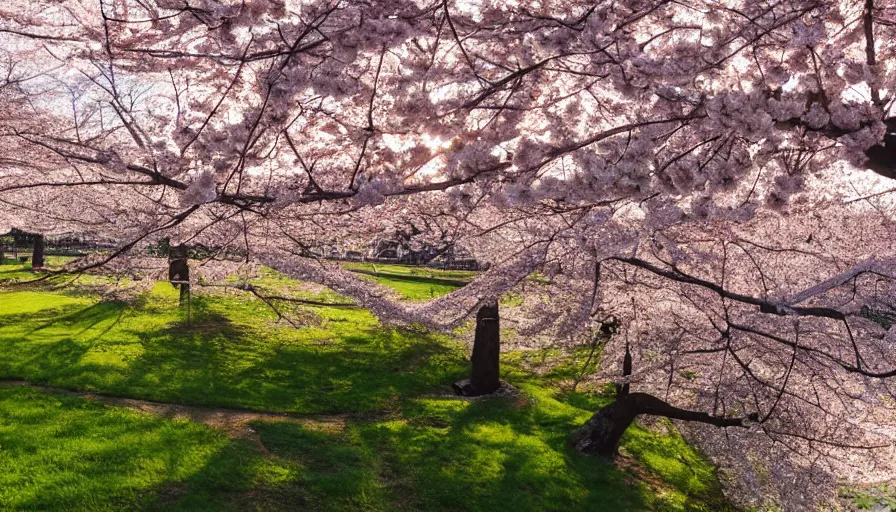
point(414, 283)
point(356, 416)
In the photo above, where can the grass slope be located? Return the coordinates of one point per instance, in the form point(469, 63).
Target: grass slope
point(407, 444)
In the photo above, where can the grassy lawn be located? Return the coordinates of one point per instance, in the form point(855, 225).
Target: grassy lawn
point(65, 453)
point(11, 269)
point(414, 283)
point(232, 354)
point(403, 443)
point(407, 270)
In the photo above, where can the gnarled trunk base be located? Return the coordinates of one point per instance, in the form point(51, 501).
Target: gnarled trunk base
point(600, 435)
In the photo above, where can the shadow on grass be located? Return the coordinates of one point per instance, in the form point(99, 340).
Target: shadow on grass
point(87, 318)
point(456, 283)
point(229, 355)
point(219, 362)
point(440, 454)
point(66, 453)
point(339, 472)
point(503, 453)
point(497, 454)
point(448, 456)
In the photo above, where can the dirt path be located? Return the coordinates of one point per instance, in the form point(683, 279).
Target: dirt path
point(233, 421)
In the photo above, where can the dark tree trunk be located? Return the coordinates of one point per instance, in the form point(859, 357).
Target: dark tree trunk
point(37, 253)
point(601, 434)
point(487, 350)
point(486, 354)
point(179, 270)
point(882, 157)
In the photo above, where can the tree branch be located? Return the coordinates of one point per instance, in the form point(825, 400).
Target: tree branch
point(649, 404)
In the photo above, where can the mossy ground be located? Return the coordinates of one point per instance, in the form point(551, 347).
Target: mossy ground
point(405, 442)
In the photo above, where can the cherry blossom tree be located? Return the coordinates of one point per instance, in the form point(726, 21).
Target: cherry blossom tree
point(776, 328)
point(658, 163)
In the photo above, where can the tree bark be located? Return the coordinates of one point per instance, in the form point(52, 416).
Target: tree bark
point(485, 377)
point(601, 434)
point(882, 157)
point(37, 253)
point(179, 270)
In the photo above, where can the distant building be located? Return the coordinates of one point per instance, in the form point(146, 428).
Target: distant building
point(400, 250)
point(17, 241)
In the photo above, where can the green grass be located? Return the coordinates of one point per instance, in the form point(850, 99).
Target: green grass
point(64, 453)
point(13, 270)
point(406, 445)
point(502, 453)
point(231, 355)
point(49, 260)
point(409, 270)
point(414, 283)
point(880, 496)
point(511, 454)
